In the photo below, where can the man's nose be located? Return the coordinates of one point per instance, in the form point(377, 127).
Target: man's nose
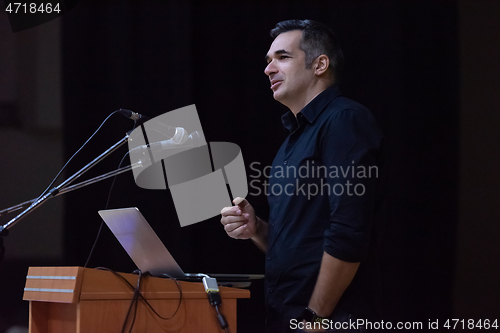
point(270, 69)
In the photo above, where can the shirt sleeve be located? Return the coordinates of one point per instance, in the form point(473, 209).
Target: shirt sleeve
point(350, 142)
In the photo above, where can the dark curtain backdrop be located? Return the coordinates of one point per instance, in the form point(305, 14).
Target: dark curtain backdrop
point(401, 62)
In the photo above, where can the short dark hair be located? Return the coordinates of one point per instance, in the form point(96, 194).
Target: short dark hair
point(317, 39)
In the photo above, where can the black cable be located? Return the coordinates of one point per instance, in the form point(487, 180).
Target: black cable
point(135, 313)
point(135, 301)
point(65, 165)
point(106, 207)
point(221, 319)
point(136, 295)
point(144, 299)
point(95, 242)
point(180, 296)
point(107, 201)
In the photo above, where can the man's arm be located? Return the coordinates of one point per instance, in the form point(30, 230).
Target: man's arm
point(260, 238)
point(334, 277)
point(240, 222)
point(351, 139)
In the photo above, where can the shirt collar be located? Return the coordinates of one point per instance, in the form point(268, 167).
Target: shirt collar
point(311, 110)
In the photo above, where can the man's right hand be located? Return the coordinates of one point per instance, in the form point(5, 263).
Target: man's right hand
point(240, 221)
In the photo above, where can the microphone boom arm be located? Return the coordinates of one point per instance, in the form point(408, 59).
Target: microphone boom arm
point(61, 188)
point(74, 187)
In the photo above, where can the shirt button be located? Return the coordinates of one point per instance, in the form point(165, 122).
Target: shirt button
point(271, 291)
point(272, 224)
point(268, 258)
point(285, 163)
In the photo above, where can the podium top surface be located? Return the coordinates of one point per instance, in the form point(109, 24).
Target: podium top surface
point(74, 284)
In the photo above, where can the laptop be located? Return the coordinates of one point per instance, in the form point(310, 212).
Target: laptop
point(149, 253)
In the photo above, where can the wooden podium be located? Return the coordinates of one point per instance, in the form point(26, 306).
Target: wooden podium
point(84, 300)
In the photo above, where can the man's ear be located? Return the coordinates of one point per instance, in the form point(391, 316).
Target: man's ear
point(321, 65)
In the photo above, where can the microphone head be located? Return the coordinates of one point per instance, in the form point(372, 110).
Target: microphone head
point(133, 115)
point(195, 139)
point(126, 113)
point(180, 136)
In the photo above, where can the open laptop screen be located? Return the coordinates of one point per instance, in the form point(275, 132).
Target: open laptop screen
point(141, 242)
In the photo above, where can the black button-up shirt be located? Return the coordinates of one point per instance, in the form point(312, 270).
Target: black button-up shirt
point(321, 198)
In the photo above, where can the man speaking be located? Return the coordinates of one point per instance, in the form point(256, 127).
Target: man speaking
point(318, 231)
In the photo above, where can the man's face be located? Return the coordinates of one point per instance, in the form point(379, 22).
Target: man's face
point(286, 68)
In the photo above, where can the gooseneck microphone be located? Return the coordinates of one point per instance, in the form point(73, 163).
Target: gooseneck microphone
point(180, 140)
point(133, 115)
point(164, 129)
